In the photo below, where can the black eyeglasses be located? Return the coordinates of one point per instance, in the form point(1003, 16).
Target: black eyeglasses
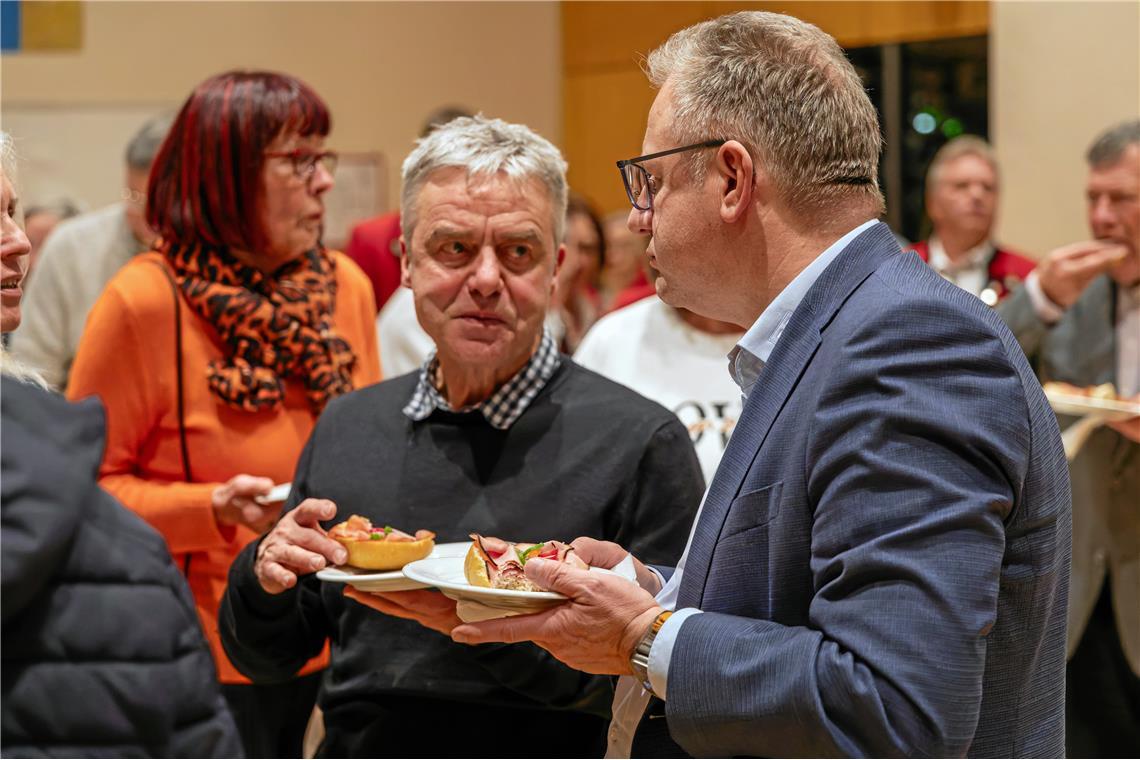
point(638, 180)
point(305, 161)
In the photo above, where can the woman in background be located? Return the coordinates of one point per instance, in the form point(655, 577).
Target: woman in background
point(215, 353)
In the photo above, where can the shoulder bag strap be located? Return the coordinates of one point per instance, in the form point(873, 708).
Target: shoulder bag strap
point(186, 474)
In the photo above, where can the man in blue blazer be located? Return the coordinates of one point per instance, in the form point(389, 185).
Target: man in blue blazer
point(880, 564)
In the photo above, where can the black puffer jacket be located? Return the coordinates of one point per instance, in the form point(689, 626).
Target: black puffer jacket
point(102, 650)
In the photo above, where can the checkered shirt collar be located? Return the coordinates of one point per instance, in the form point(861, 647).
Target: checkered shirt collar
point(506, 404)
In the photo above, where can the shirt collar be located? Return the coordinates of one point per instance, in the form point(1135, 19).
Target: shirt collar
point(506, 404)
point(749, 356)
point(977, 257)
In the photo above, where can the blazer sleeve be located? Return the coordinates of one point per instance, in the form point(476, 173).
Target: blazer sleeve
point(931, 427)
point(1019, 315)
point(117, 363)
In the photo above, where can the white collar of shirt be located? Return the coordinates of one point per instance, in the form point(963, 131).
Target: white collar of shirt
point(976, 258)
point(751, 354)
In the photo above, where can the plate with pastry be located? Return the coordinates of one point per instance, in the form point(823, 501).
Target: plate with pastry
point(490, 581)
point(1101, 400)
point(377, 555)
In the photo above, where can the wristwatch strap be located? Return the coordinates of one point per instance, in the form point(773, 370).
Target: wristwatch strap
point(640, 658)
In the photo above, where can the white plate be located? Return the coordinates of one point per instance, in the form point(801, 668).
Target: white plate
point(446, 574)
point(276, 495)
point(392, 580)
point(1065, 403)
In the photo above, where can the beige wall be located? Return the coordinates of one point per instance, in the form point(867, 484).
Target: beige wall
point(606, 96)
point(381, 66)
point(1059, 74)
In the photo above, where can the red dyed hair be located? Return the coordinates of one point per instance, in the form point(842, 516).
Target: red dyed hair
point(205, 184)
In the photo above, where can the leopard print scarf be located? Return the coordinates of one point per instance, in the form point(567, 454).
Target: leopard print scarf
point(275, 327)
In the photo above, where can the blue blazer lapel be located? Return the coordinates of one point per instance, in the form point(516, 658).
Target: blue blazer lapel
point(777, 381)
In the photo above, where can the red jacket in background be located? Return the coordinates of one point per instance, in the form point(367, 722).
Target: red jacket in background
point(375, 247)
point(1007, 269)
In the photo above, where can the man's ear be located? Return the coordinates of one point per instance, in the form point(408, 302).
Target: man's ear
point(739, 180)
point(405, 267)
point(558, 259)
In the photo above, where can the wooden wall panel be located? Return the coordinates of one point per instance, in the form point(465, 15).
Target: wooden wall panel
point(606, 97)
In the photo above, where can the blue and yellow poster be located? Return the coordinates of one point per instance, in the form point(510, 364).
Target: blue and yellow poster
point(35, 25)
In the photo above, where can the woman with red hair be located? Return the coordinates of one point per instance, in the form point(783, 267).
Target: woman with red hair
point(215, 353)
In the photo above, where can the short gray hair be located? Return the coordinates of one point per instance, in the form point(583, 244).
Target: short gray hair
point(144, 146)
point(1109, 147)
point(64, 208)
point(786, 91)
point(964, 145)
point(484, 147)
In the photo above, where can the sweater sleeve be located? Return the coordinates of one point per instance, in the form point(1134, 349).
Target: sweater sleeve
point(666, 492)
point(269, 637)
point(360, 320)
point(368, 354)
point(116, 364)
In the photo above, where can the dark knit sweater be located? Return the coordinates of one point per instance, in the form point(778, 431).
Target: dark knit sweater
point(589, 457)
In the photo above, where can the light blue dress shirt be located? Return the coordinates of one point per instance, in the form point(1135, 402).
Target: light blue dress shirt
point(745, 362)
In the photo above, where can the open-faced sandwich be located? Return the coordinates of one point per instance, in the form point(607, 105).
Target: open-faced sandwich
point(383, 548)
point(495, 563)
point(1103, 392)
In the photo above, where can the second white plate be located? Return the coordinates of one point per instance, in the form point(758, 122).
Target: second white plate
point(1064, 403)
point(446, 574)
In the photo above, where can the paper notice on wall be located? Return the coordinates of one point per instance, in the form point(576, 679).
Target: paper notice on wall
point(360, 192)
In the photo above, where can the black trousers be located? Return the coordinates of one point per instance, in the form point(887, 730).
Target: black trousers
point(412, 726)
point(271, 718)
point(1102, 694)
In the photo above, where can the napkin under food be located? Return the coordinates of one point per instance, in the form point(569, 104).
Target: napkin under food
point(470, 611)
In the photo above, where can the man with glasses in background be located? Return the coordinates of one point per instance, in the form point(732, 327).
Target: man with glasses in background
point(880, 564)
point(79, 258)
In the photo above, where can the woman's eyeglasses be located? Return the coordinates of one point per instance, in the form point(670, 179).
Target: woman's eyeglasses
point(305, 161)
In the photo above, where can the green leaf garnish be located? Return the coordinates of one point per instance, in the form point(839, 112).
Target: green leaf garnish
point(524, 555)
point(388, 529)
point(376, 537)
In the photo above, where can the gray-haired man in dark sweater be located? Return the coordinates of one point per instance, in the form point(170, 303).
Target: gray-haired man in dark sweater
point(498, 434)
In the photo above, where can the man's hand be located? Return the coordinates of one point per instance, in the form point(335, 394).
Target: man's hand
point(297, 546)
point(595, 632)
point(1129, 428)
point(233, 503)
point(608, 555)
point(1067, 271)
point(430, 609)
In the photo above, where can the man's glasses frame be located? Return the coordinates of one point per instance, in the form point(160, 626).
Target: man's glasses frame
point(637, 178)
point(305, 161)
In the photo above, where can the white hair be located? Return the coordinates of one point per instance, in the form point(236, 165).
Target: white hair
point(785, 90)
point(484, 147)
point(7, 156)
point(17, 370)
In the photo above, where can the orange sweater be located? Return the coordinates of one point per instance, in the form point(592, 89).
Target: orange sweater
point(127, 357)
